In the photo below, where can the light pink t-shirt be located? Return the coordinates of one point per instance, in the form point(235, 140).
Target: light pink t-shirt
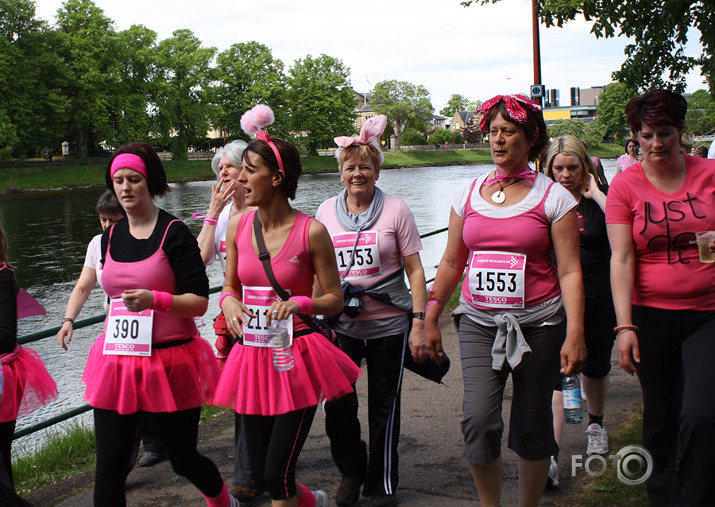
point(668, 272)
point(398, 237)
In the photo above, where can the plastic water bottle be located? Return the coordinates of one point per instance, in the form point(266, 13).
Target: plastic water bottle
point(571, 389)
point(281, 349)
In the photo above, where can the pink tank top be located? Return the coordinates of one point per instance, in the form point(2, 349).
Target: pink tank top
point(292, 266)
point(528, 233)
point(152, 273)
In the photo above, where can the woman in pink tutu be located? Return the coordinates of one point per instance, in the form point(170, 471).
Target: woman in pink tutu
point(26, 385)
point(277, 407)
point(150, 361)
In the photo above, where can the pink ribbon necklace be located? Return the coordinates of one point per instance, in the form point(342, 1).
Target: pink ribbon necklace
point(499, 196)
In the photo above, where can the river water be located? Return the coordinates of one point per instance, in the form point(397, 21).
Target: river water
point(48, 233)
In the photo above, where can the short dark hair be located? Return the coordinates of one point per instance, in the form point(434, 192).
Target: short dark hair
point(155, 173)
point(657, 107)
point(535, 127)
point(107, 204)
point(290, 157)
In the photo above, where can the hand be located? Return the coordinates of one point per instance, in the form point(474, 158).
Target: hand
point(628, 351)
point(418, 344)
point(433, 341)
point(234, 311)
point(281, 310)
point(573, 354)
point(591, 187)
point(220, 197)
point(64, 335)
point(137, 300)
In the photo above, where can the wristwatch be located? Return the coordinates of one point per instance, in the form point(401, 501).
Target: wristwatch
point(418, 315)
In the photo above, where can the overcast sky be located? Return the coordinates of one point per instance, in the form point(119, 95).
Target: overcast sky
point(477, 51)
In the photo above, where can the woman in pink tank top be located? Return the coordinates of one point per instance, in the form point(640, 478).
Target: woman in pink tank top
point(276, 403)
point(150, 361)
point(506, 226)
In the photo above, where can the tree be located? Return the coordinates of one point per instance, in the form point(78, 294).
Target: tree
point(182, 78)
point(457, 102)
point(659, 29)
point(403, 103)
point(611, 109)
point(320, 101)
point(247, 74)
point(445, 136)
point(471, 133)
point(700, 118)
point(88, 52)
point(29, 74)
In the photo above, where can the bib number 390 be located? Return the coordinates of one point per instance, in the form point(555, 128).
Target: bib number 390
point(128, 333)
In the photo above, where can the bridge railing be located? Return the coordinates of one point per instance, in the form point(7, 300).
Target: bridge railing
point(91, 321)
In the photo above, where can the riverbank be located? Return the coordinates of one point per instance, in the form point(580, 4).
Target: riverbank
point(29, 179)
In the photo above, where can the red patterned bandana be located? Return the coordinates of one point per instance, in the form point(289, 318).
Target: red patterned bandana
point(513, 105)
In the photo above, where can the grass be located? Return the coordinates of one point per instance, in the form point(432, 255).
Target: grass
point(67, 453)
point(607, 489)
point(17, 179)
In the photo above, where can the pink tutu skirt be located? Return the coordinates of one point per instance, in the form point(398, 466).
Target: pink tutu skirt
point(171, 379)
point(251, 385)
point(26, 384)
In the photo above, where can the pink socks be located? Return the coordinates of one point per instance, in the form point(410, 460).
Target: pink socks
point(306, 498)
point(224, 499)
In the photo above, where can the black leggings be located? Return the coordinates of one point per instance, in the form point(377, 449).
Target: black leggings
point(115, 435)
point(274, 444)
point(7, 433)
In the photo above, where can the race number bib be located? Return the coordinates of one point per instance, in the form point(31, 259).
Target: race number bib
point(128, 333)
point(259, 301)
point(367, 254)
point(496, 279)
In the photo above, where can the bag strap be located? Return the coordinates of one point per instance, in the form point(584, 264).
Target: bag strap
point(265, 258)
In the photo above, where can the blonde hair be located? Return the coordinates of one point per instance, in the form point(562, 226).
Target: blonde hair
point(570, 146)
point(361, 152)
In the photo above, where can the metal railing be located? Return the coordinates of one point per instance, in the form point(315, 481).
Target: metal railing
point(97, 319)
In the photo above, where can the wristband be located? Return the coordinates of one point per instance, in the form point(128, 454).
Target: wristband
point(198, 216)
point(438, 303)
point(305, 304)
point(209, 222)
point(224, 296)
point(627, 327)
point(163, 301)
point(67, 319)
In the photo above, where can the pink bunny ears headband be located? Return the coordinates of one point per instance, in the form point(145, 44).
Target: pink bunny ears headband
point(513, 105)
point(369, 134)
point(254, 120)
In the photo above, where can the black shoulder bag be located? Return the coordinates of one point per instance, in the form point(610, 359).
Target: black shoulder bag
point(317, 326)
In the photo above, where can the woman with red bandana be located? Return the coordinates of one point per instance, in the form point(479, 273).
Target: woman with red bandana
point(505, 226)
point(150, 361)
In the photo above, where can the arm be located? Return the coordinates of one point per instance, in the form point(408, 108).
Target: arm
point(326, 274)
point(416, 276)
point(449, 272)
point(594, 193)
point(622, 274)
point(565, 237)
point(206, 238)
point(80, 293)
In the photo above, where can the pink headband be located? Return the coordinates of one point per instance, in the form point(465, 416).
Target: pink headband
point(369, 134)
point(254, 120)
point(128, 161)
point(513, 105)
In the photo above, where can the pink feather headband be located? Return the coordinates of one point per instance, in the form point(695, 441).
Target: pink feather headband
point(369, 134)
point(514, 106)
point(254, 120)
point(128, 161)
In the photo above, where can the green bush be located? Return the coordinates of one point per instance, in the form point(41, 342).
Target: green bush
point(412, 137)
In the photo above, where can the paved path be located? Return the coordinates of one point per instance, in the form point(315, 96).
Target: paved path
point(432, 470)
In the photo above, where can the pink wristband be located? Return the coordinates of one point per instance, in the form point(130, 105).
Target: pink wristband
point(163, 301)
point(305, 304)
point(440, 303)
point(224, 296)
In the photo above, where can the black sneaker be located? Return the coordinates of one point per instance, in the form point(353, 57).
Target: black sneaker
point(149, 459)
point(348, 492)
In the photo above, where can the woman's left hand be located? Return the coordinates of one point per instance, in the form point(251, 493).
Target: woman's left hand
point(137, 300)
point(573, 354)
point(281, 310)
point(418, 342)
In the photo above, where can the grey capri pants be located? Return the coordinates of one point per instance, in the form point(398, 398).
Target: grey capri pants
point(531, 429)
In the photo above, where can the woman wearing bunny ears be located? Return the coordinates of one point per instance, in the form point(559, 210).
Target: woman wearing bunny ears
point(376, 241)
point(277, 407)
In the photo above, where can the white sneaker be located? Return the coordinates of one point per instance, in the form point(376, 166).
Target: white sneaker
point(321, 498)
point(552, 481)
point(597, 440)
